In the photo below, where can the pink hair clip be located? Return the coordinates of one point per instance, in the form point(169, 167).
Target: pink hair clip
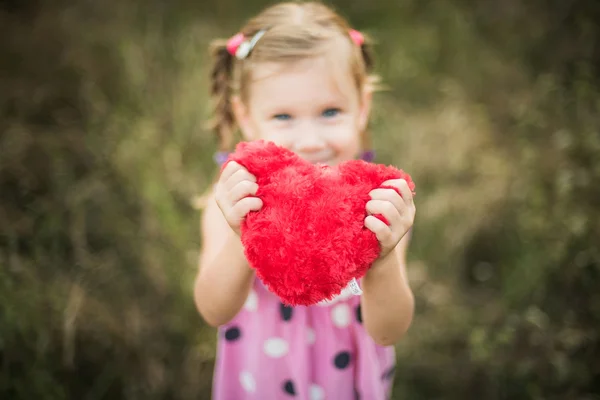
point(239, 47)
point(357, 37)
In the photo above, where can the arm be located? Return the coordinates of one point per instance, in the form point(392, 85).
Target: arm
point(387, 301)
point(224, 278)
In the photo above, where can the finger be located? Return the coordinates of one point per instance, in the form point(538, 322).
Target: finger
point(244, 206)
point(238, 176)
point(380, 229)
point(385, 208)
point(387, 195)
point(229, 170)
point(402, 186)
point(406, 192)
point(242, 189)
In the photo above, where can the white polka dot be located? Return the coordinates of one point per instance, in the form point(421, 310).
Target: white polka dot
point(247, 381)
point(276, 347)
point(251, 303)
point(316, 392)
point(310, 335)
point(341, 315)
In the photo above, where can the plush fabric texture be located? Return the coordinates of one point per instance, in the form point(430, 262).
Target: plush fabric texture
point(309, 240)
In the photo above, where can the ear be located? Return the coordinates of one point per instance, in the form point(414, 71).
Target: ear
point(365, 107)
point(242, 117)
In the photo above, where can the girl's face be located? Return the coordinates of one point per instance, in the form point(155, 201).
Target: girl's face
point(306, 108)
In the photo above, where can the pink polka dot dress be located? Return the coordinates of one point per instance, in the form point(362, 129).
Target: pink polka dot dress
point(270, 351)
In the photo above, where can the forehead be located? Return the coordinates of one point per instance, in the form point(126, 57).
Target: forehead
point(313, 81)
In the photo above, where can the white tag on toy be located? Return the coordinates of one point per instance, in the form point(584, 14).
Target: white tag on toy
point(354, 288)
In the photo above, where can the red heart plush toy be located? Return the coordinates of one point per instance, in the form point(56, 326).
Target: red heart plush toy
point(309, 240)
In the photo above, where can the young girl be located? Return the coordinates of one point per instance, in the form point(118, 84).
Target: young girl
point(298, 75)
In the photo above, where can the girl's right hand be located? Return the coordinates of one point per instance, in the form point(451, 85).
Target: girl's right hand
point(234, 194)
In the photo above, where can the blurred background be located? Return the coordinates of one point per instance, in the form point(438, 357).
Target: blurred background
point(493, 107)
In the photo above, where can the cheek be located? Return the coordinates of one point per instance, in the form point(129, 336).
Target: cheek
point(268, 133)
point(279, 140)
point(346, 141)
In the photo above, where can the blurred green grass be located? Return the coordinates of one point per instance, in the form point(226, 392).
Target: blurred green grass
point(492, 108)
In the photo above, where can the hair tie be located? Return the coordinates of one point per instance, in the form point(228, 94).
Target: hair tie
point(357, 37)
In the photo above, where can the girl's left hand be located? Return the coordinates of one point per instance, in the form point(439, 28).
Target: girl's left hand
point(398, 209)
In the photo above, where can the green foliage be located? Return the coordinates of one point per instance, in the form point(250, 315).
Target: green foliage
point(492, 107)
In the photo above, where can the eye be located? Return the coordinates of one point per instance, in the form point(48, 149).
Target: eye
point(331, 112)
point(282, 117)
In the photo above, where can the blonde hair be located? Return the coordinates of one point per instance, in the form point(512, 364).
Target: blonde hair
point(292, 31)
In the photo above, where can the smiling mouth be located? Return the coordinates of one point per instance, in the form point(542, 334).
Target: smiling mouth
point(321, 162)
point(318, 160)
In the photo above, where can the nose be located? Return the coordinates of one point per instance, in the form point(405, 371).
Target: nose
point(309, 139)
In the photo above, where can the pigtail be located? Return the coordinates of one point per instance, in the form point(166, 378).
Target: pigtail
point(223, 121)
point(366, 51)
point(367, 54)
